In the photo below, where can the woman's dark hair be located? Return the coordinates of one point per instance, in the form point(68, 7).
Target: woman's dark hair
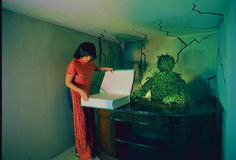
point(85, 49)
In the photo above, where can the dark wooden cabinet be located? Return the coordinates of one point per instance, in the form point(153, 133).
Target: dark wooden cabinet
point(154, 131)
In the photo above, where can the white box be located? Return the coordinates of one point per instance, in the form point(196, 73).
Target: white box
point(114, 91)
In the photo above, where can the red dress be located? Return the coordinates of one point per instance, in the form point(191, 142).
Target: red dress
point(84, 124)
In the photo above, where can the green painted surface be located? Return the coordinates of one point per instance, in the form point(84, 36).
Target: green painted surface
point(125, 17)
point(38, 91)
point(36, 115)
point(226, 84)
point(197, 62)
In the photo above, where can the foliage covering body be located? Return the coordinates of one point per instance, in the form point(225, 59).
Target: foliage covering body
point(166, 86)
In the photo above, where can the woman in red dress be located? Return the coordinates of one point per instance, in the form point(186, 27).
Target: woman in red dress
point(78, 79)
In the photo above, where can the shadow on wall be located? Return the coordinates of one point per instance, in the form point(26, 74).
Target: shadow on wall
point(198, 89)
point(96, 82)
point(219, 111)
point(69, 99)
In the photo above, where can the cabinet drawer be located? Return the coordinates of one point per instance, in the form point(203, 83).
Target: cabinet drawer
point(141, 119)
point(126, 151)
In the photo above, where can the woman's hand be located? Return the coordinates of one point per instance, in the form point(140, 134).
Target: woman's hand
point(108, 69)
point(83, 95)
point(69, 84)
point(105, 69)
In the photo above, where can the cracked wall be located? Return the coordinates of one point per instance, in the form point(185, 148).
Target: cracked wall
point(197, 62)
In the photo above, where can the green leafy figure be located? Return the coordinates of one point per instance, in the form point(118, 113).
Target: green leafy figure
point(166, 86)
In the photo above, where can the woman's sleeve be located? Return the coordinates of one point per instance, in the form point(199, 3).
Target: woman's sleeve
point(71, 69)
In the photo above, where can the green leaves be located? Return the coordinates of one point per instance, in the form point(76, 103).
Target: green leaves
point(166, 86)
point(165, 63)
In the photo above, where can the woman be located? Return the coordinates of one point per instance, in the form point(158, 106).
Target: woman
point(78, 79)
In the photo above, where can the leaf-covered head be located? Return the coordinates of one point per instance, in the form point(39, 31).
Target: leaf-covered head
point(165, 63)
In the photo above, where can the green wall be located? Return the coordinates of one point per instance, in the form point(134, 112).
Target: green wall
point(197, 62)
point(226, 81)
point(36, 115)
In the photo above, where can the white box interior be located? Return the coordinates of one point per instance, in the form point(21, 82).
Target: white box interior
point(114, 91)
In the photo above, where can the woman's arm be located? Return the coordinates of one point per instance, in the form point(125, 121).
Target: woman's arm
point(73, 87)
point(104, 69)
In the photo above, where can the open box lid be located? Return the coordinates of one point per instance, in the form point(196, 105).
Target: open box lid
point(115, 91)
point(118, 82)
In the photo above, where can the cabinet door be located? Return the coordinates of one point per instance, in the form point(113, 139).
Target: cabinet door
point(127, 151)
point(106, 128)
point(191, 138)
point(141, 141)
